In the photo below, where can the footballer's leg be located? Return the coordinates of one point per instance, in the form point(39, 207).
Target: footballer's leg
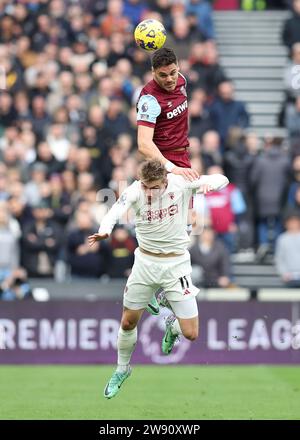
point(126, 342)
point(184, 322)
point(137, 293)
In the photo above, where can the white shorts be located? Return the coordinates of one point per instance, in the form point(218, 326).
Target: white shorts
point(182, 309)
point(149, 273)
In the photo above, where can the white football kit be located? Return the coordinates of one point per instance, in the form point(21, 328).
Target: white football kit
point(160, 229)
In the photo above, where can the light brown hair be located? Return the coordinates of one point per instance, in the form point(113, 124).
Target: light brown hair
point(152, 170)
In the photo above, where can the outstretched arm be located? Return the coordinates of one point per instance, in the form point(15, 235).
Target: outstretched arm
point(117, 211)
point(205, 184)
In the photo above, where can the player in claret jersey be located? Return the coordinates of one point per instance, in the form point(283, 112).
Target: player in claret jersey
point(162, 119)
point(162, 116)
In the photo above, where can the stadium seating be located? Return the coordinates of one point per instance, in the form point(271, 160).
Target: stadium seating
point(252, 55)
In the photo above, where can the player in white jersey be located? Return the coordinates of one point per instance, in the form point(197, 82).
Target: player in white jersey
point(160, 202)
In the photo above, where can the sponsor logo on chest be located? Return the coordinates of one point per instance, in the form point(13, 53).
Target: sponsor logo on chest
point(177, 110)
point(159, 214)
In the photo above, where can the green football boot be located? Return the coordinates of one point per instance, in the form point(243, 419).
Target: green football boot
point(115, 382)
point(169, 339)
point(153, 306)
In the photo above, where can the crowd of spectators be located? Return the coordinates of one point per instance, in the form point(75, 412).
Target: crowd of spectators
point(68, 131)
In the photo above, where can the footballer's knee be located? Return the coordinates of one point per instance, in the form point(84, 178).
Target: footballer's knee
point(191, 334)
point(128, 324)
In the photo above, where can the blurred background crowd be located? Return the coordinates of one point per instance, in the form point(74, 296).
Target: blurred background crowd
point(68, 130)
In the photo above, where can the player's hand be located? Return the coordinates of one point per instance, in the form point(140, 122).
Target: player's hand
point(205, 188)
point(92, 239)
point(187, 173)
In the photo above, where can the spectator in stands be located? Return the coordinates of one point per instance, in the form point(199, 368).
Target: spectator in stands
point(200, 121)
point(211, 149)
point(114, 20)
point(295, 147)
point(134, 10)
point(59, 201)
point(116, 120)
point(182, 36)
point(10, 234)
point(70, 116)
point(95, 119)
point(46, 157)
point(195, 147)
point(204, 59)
point(291, 29)
point(141, 62)
point(121, 253)
point(201, 11)
point(287, 254)
point(42, 240)
point(64, 88)
point(7, 111)
point(14, 77)
point(295, 201)
point(269, 192)
point(22, 105)
point(15, 285)
point(292, 118)
point(58, 141)
point(84, 164)
point(19, 210)
point(253, 143)
point(32, 190)
point(211, 256)
point(39, 117)
point(163, 7)
point(85, 261)
point(226, 112)
point(85, 183)
point(291, 81)
point(224, 209)
point(4, 194)
point(295, 181)
point(238, 161)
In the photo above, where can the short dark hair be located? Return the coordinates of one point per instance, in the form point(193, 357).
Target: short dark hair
point(163, 57)
point(152, 170)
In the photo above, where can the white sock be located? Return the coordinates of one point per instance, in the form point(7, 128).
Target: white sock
point(175, 328)
point(126, 343)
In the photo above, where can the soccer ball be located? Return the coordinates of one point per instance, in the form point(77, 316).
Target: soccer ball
point(150, 35)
